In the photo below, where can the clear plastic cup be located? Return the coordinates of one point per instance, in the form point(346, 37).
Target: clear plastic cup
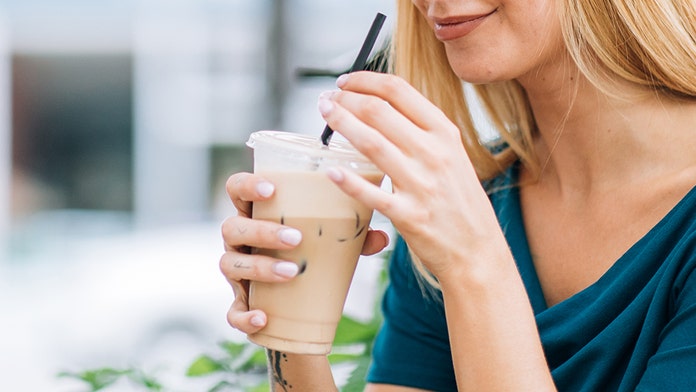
point(304, 312)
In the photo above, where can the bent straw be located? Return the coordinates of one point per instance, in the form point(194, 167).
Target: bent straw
point(360, 62)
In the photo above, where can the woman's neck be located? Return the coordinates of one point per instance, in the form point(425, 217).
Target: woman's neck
point(590, 141)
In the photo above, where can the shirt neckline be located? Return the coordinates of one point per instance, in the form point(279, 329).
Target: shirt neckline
point(526, 264)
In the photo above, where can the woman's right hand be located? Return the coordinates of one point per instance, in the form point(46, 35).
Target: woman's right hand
point(241, 233)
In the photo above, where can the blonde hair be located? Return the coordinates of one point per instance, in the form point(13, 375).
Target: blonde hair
point(656, 43)
point(648, 43)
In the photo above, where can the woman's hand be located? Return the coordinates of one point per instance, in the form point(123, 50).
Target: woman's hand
point(440, 208)
point(437, 204)
point(240, 233)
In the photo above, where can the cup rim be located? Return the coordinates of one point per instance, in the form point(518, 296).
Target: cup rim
point(306, 144)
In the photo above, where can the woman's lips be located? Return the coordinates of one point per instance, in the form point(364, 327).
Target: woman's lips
point(447, 29)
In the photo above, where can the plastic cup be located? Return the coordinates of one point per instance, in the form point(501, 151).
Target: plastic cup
point(304, 312)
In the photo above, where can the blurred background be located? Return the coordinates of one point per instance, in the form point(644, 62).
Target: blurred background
point(120, 121)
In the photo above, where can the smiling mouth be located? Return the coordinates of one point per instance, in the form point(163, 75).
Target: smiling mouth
point(447, 29)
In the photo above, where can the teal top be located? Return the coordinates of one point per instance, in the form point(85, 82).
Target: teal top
point(633, 329)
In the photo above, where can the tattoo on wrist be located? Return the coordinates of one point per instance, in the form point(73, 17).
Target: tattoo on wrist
point(275, 370)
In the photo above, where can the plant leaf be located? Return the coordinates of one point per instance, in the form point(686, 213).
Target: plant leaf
point(233, 349)
point(221, 386)
point(264, 387)
point(146, 380)
point(98, 379)
point(351, 331)
point(257, 360)
point(204, 365)
point(341, 358)
point(356, 382)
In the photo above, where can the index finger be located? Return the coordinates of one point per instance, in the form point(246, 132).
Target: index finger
point(399, 94)
point(244, 188)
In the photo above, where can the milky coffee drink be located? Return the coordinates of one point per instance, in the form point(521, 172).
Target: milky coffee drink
point(304, 312)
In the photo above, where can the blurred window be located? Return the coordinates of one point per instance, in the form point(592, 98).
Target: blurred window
point(72, 129)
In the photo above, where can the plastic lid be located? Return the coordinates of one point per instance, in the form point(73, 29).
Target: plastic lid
point(308, 148)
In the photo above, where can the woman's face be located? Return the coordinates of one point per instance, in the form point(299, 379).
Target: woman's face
point(496, 40)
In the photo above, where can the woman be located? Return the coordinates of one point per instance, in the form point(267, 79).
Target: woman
point(561, 253)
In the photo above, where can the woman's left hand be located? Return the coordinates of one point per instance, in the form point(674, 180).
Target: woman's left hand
point(437, 203)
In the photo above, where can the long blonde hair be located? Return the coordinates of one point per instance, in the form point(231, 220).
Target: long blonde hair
point(649, 43)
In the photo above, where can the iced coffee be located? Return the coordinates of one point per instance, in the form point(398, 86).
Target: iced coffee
point(304, 312)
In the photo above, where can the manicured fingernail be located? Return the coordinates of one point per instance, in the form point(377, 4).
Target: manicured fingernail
point(334, 174)
point(290, 236)
point(326, 94)
point(325, 106)
point(385, 236)
point(257, 321)
point(286, 269)
point(265, 189)
point(342, 80)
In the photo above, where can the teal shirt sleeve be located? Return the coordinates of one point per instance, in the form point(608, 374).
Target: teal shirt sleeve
point(673, 366)
point(412, 348)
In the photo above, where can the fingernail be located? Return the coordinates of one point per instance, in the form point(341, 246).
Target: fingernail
point(257, 321)
point(342, 80)
point(326, 94)
point(334, 174)
point(286, 269)
point(265, 189)
point(325, 106)
point(385, 236)
point(290, 236)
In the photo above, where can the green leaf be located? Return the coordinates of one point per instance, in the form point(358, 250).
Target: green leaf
point(264, 387)
point(342, 358)
point(98, 379)
point(147, 381)
point(221, 386)
point(351, 331)
point(257, 360)
point(204, 365)
point(356, 382)
point(233, 349)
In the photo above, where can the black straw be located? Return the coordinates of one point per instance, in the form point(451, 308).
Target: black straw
point(360, 62)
